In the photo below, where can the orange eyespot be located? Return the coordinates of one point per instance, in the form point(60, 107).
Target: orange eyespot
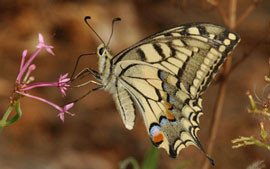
point(169, 106)
point(158, 137)
point(170, 116)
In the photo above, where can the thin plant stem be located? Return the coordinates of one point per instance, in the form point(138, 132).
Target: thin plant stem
point(247, 12)
point(216, 118)
point(17, 107)
point(223, 14)
point(130, 160)
point(222, 89)
point(246, 141)
point(232, 16)
point(7, 113)
point(5, 121)
point(42, 100)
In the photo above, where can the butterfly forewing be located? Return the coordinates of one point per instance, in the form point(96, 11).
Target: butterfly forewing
point(193, 52)
point(165, 75)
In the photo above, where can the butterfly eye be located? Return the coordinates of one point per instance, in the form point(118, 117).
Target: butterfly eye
point(101, 50)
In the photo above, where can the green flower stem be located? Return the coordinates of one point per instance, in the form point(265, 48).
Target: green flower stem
point(267, 78)
point(264, 134)
point(4, 121)
point(151, 159)
point(7, 113)
point(263, 112)
point(18, 115)
point(246, 141)
point(134, 163)
point(252, 102)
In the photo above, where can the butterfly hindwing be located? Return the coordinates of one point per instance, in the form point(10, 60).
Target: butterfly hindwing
point(170, 114)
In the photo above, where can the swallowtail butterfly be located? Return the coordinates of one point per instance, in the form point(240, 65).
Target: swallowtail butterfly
point(165, 75)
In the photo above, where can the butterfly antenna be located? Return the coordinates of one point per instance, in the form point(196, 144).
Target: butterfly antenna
point(113, 21)
point(86, 18)
point(77, 62)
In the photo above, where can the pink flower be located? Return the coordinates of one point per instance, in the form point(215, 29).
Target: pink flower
point(25, 66)
point(64, 110)
point(43, 45)
point(24, 80)
point(63, 84)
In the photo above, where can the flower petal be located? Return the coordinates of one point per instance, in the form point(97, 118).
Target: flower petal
point(49, 49)
point(64, 110)
point(61, 115)
point(40, 38)
point(42, 44)
point(65, 75)
point(63, 84)
point(68, 106)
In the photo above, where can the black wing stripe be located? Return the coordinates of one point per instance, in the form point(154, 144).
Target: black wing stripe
point(143, 96)
point(159, 50)
point(141, 53)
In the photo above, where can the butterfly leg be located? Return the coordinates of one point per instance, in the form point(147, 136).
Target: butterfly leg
point(85, 72)
point(82, 74)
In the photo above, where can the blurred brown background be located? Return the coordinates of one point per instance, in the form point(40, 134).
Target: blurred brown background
point(96, 138)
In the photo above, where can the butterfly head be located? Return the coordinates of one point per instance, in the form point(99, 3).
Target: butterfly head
point(105, 57)
point(103, 51)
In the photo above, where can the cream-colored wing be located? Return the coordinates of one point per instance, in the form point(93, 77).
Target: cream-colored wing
point(192, 52)
point(171, 116)
point(125, 105)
